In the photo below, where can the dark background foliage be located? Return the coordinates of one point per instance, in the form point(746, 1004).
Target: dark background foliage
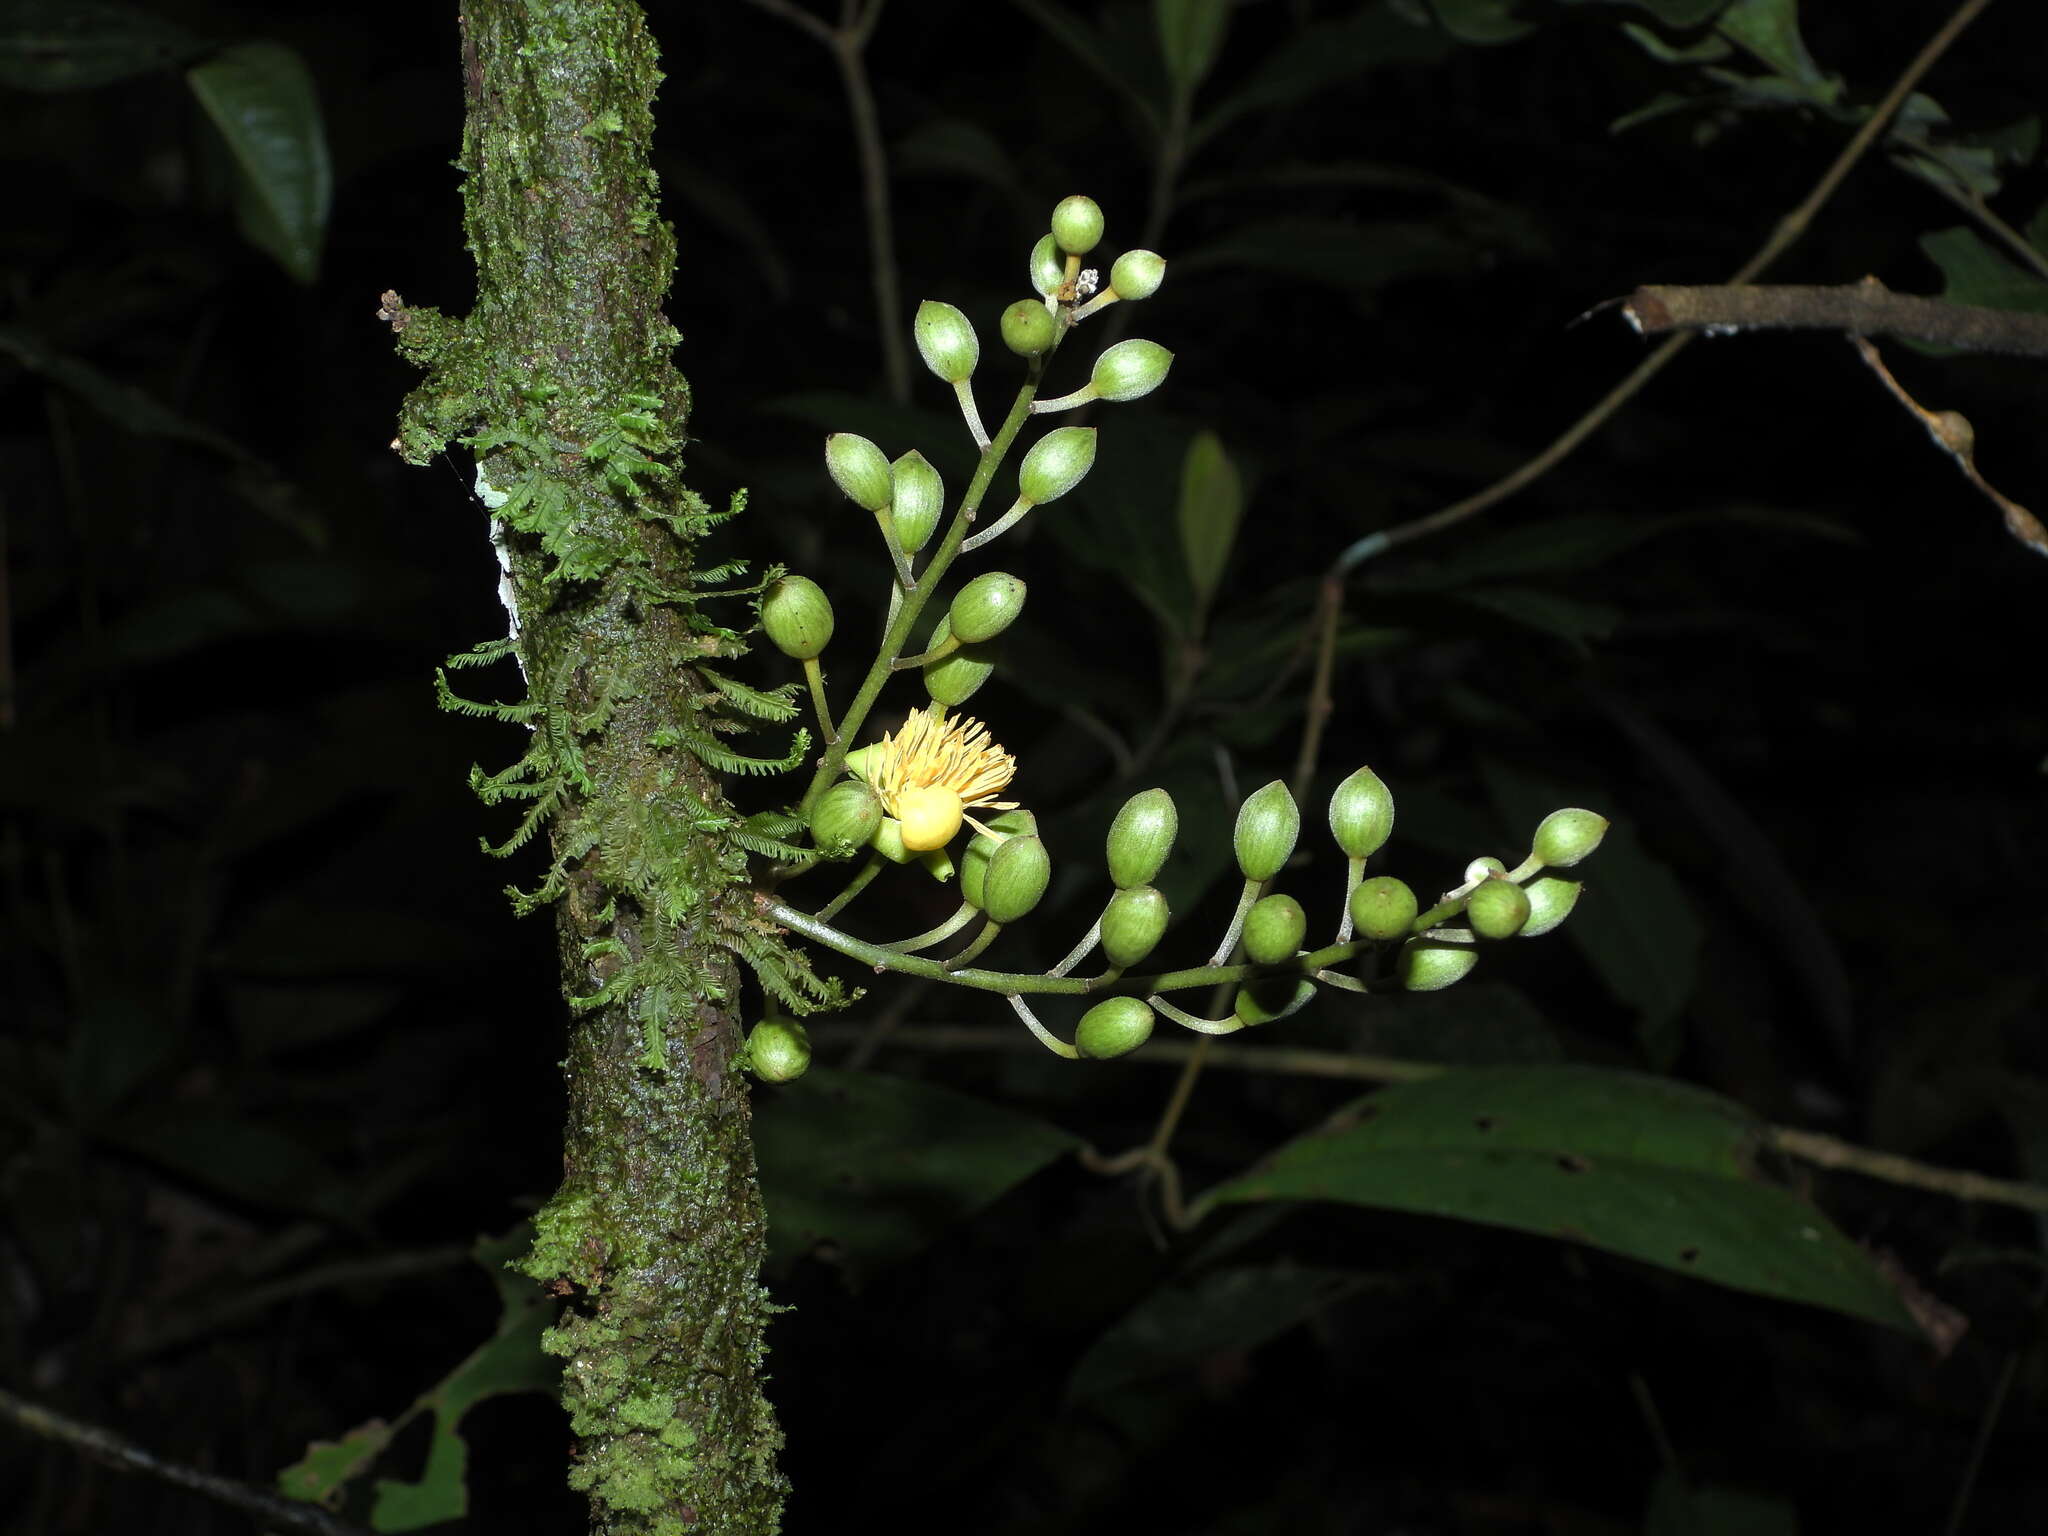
point(275, 1052)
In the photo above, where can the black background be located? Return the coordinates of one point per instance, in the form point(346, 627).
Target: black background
point(240, 859)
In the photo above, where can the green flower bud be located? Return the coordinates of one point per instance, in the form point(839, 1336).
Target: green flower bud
point(1077, 225)
point(1273, 930)
point(946, 341)
point(1497, 910)
point(1047, 270)
point(980, 848)
point(845, 818)
point(1028, 329)
point(954, 679)
point(1132, 925)
point(1130, 369)
point(1261, 1002)
point(858, 468)
point(1551, 899)
point(1141, 837)
point(986, 606)
point(920, 501)
point(1486, 866)
point(1056, 464)
point(888, 842)
point(1362, 814)
point(797, 616)
point(778, 1050)
point(1267, 825)
point(1565, 837)
point(1426, 966)
point(1016, 878)
point(1137, 274)
point(1383, 908)
point(1116, 1026)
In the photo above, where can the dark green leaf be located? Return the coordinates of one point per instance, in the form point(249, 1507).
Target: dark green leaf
point(1359, 257)
point(1107, 56)
point(1769, 29)
point(261, 98)
point(122, 403)
point(953, 146)
point(1117, 519)
point(1550, 546)
point(122, 1032)
point(238, 1157)
point(1225, 1310)
point(878, 1165)
point(1211, 506)
point(1481, 21)
point(1190, 34)
point(1973, 273)
point(1924, 143)
point(317, 1476)
point(1677, 14)
point(1635, 925)
point(270, 1017)
point(1549, 613)
point(68, 45)
point(1635, 1165)
point(1682, 1508)
point(1663, 104)
point(2037, 229)
point(1320, 56)
point(1708, 50)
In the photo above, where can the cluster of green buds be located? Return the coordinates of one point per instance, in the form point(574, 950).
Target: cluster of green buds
point(907, 497)
point(910, 795)
point(1384, 938)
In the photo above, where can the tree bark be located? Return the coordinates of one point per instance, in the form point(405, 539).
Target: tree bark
point(561, 384)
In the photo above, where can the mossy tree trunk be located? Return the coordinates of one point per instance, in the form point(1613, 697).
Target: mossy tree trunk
point(560, 382)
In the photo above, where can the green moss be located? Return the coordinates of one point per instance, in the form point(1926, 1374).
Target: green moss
point(647, 1410)
point(560, 383)
point(562, 1229)
point(678, 1435)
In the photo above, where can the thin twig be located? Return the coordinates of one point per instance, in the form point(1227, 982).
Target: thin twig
point(1788, 231)
point(1329, 611)
point(875, 1033)
point(1953, 434)
point(848, 43)
point(1994, 1410)
point(1958, 1183)
point(125, 1455)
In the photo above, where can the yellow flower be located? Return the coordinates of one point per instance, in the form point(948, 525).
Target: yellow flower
point(932, 770)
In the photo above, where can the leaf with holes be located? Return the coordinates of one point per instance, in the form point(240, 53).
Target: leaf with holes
point(1639, 1166)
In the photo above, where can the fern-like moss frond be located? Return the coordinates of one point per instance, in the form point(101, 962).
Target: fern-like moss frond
point(455, 703)
point(770, 704)
point(483, 655)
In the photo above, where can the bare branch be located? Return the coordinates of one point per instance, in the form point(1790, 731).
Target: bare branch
point(1867, 308)
point(112, 1450)
point(1952, 432)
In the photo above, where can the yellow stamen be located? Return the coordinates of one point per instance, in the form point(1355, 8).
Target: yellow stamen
point(931, 770)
